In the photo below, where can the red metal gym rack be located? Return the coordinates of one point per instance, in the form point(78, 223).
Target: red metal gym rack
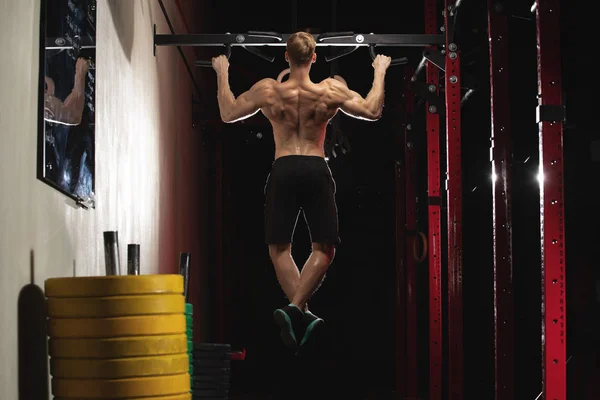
point(434, 216)
point(551, 116)
point(454, 210)
point(501, 195)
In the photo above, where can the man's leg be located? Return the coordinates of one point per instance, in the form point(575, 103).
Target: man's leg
point(289, 276)
point(285, 268)
point(311, 277)
point(298, 287)
point(288, 318)
point(313, 273)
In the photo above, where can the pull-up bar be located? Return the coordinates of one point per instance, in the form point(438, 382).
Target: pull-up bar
point(347, 42)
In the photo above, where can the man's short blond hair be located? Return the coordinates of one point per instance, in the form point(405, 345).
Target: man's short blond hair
point(301, 47)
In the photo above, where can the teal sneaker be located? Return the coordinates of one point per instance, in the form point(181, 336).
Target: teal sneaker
point(310, 322)
point(289, 320)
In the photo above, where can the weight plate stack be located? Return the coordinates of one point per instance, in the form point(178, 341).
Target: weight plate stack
point(189, 319)
point(118, 337)
point(212, 366)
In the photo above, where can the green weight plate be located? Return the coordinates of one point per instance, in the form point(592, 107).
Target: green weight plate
point(189, 308)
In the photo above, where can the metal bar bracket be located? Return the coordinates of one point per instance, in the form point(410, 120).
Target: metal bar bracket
point(551, 113)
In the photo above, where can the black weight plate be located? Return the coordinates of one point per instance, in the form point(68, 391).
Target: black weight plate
point(217, 379)
point(218, 347)
point(211, 363)
point(210, 371)
point(201, 397)
point(210, 385)
point(210, 393)
point(211, 354)
point(210, 398)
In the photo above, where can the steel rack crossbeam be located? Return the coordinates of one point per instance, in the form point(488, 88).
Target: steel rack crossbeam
point(275, 39)
point(253, 41)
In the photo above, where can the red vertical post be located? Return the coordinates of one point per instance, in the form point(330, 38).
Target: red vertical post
point(410, 164)
point(434, 217)
point(501, 194)
point(550, 118)
point(401, 255)
point(454, 214)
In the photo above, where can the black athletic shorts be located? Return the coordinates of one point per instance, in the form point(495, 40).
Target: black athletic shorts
point(300, 184)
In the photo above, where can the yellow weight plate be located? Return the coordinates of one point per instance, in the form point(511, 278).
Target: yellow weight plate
point(119, 367)
point(114, 285)
point(186, 396)
point(121, 388)
point(115, 306)
point(136, 346)
point(165, 324)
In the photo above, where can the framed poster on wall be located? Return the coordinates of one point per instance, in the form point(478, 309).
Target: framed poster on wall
point(66, 105)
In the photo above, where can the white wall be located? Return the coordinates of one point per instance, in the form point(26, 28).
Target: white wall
point(148, 175)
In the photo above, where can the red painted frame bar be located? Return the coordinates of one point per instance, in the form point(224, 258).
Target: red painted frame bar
point(434, 218)
point(410, 171)
point(454, 213)
point(401, 258)
point(552, 210)
point(504, 361)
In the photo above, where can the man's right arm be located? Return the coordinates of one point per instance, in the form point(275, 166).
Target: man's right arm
point(371, 107)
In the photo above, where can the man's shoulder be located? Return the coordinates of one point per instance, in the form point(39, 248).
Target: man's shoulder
point(267, 82)
point(333, 85)
point(328, 81)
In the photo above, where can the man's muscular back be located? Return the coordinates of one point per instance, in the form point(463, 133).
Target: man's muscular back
point(299, 109)
point(299, 113)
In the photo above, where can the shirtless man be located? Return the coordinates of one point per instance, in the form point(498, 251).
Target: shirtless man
point(70, 111)
point(300, 178)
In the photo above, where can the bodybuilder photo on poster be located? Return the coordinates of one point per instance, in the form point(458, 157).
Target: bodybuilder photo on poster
point(67, 79)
